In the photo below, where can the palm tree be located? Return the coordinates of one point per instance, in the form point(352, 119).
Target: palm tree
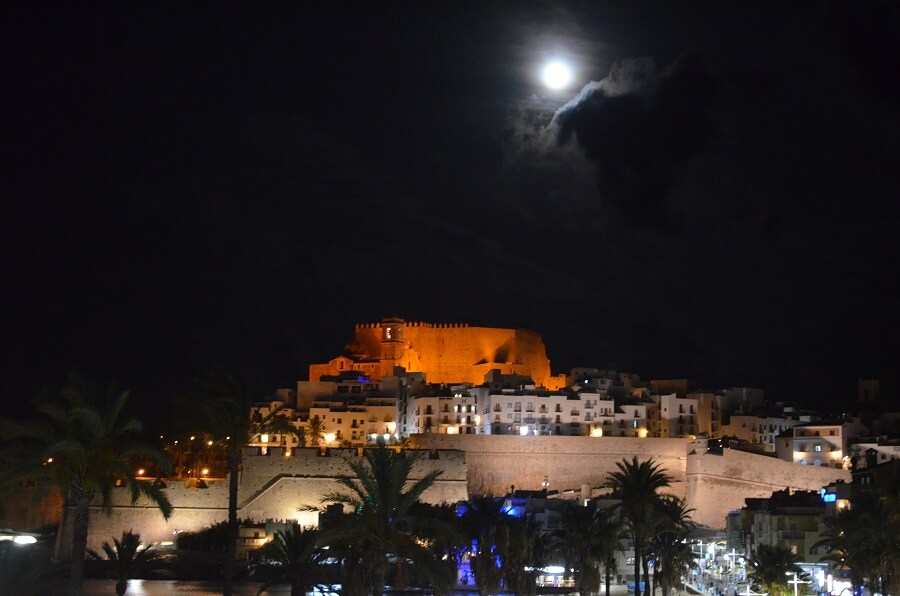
point(81, 444)
point(316, 431)
point(383, 529)
point(440, 532)
point(486, 560)
point(672, 555)
point(125, 559)
point(637, 484)
point(485, 526)
point(866, 539)
point(608, 526)
point(580, 545)
point(769, 568)
point(299, 555)
point(526, 555)
point(220, 406)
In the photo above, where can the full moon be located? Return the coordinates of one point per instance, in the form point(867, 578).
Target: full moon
point(557, 75)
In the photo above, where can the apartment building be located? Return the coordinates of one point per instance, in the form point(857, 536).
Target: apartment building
point(678, 416)
point(819, 443)
point(760, 430)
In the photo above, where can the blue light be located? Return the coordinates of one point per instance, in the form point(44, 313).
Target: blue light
point(829, 498)
point(513, 510)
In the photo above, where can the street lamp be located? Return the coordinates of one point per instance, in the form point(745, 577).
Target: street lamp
point(732, 556)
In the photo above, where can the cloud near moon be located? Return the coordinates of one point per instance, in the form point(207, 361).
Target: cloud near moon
point(639, 127)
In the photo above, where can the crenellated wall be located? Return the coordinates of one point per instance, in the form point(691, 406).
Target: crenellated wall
point(446, 353)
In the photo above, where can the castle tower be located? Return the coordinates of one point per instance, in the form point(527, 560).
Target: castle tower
point(393, 345)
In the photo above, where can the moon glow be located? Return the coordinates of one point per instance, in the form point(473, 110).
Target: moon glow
point(556, 75)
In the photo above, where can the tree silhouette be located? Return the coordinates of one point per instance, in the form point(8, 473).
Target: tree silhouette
point(866, 540)
point(383, 529)
point(81, 444)
point(220, 406)
point(485, 526)
point(316, 431)
point(125, 559)
point(769, 569)
point(637, 485)
point(299, 555)
point(671, 554)
point(580, 542)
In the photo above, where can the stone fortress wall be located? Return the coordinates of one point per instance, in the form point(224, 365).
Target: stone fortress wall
point(717, 484)
point(274, 487)
point(711, 484)
point(271, 487)
point(497, 462)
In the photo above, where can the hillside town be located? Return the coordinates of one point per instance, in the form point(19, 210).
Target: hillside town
point(386, 387)
point(490, 423)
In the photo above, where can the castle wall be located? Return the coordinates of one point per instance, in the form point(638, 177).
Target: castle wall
point(717, 484)
point(497, 462)
point(711, 484)
point(24, 510)
point(270, 487)
point(275, 487)
point(450, 353)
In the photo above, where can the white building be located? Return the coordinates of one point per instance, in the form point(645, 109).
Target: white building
point(678, 416)
point(635, 419)
point(819, 444)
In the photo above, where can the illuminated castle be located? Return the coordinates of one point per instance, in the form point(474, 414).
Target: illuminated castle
point(445, 352)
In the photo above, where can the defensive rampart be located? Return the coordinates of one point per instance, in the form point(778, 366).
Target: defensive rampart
point(497, 462)
point(271, 487)
point(711, 484)
point(277, 488)
point(717, 484)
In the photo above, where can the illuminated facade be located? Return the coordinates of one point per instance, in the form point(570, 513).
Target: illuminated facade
point(818, 444)
point(445, 353)
point(761, 430)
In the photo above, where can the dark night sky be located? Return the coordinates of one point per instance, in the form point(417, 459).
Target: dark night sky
point(192, 184)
